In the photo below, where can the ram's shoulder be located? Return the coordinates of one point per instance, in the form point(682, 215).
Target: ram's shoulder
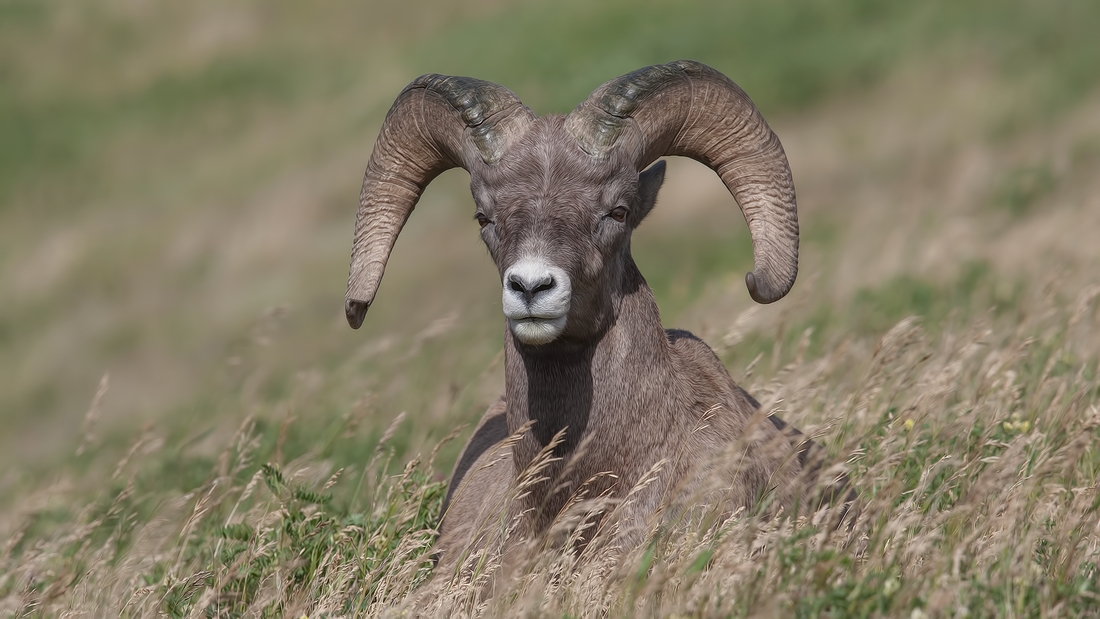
point(695, 363)
point(689, 348)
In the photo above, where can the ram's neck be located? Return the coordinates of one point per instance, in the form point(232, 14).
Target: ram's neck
point(601, 392)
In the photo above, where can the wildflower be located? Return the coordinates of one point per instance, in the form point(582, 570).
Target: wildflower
point(1016, 425)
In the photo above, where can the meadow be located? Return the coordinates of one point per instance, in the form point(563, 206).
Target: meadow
point(189, 428)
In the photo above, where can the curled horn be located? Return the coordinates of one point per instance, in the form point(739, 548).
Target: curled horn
point(438, 122)
point(687, 108)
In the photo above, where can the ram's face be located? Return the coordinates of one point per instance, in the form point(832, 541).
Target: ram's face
point(558, 223)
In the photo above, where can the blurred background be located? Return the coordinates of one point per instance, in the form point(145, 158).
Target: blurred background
point(178, 183)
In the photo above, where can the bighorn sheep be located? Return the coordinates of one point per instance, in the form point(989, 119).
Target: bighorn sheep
point(557, 200)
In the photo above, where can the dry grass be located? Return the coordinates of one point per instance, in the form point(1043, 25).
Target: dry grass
point(973, 452)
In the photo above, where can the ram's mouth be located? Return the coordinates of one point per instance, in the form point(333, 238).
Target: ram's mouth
point(536, 330)
point(536, 318)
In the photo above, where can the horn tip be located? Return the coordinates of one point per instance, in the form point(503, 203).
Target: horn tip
point(761, 290)
point(356, 312)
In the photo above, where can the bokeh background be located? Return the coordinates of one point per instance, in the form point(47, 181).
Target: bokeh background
point(178, 182)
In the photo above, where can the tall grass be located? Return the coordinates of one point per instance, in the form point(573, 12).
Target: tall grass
point(973, 452)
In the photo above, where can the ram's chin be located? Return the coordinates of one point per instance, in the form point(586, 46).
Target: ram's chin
point(536, 331)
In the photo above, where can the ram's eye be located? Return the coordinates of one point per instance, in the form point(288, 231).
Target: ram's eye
point(482, 220)
point(619, 214)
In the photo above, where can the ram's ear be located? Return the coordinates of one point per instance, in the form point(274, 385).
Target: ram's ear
point(649, 183)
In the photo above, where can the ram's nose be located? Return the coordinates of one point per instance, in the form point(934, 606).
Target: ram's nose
point(531, 284)
point(533, 288)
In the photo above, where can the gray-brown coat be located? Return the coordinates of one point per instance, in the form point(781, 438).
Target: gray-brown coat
point(586, 355)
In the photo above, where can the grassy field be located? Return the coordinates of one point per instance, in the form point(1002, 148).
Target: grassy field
point(191, 429)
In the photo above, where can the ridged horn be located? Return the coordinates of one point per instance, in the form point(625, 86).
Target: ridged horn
point(438, 122)
point(687, 108)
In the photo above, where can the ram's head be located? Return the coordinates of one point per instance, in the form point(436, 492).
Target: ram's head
point(558, 197)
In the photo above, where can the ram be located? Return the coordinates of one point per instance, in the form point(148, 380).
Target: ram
point(586, 356)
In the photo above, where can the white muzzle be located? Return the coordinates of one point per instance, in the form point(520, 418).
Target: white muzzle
point(536, 300)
